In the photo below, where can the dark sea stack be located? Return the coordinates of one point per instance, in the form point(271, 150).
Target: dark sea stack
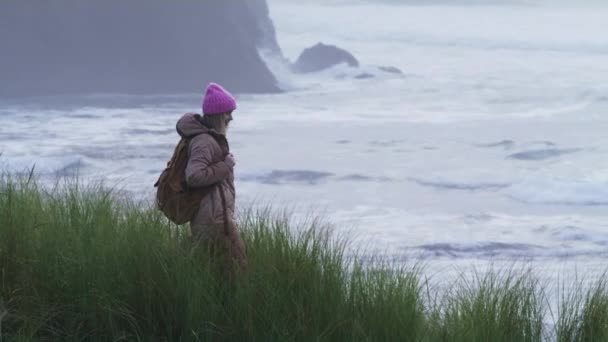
point(321, 57)
point(133, 47)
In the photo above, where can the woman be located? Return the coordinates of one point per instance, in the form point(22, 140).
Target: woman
point(211, 165)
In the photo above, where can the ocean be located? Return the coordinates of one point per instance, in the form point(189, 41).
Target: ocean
point(490, 148)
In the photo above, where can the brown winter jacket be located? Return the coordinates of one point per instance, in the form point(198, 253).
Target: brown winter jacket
point(206, 167)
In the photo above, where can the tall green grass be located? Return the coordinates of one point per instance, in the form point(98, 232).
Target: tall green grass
point(583, 315)
point(79, 264)
point(495, 306)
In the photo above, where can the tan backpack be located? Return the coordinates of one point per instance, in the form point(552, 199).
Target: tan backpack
point(174, 198)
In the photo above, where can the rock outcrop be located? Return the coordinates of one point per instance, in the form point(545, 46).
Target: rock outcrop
point(133, 47)
point(322, 56)
point(391, 70)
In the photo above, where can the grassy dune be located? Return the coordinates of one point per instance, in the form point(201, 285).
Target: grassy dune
point(78, 264)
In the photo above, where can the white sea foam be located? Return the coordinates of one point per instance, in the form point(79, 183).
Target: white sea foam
point(561, 192)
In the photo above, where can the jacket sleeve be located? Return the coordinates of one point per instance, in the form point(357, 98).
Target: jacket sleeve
point(201, 171)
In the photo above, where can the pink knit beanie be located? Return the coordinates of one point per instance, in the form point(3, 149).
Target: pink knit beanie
point(218, 100)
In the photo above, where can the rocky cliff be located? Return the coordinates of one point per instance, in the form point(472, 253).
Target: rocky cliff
point(134, 47)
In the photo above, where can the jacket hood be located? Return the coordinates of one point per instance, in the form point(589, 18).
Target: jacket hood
point(189, 125)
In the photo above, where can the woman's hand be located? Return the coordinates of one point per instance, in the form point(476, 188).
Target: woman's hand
point(229, 160)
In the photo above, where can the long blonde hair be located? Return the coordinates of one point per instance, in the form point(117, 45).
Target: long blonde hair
point(216, 122)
